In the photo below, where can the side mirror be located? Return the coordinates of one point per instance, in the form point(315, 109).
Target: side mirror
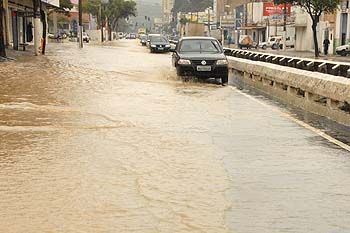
point(148, 41)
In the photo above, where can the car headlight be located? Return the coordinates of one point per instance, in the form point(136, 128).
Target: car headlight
point(168, 46)
point(153, 46)
point(221, 62)
point(184, 62)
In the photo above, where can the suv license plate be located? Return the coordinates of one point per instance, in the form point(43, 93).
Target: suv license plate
point(203, 68)
point(160, 48)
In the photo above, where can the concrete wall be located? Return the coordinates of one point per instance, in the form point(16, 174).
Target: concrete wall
point(322, 94)
point(95, 35)
point(255, 12)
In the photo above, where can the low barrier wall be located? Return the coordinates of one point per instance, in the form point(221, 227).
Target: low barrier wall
point(319, 93)
point(315, 65)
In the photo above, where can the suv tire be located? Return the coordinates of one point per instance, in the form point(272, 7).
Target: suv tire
point(224, 79)
point(179, 71)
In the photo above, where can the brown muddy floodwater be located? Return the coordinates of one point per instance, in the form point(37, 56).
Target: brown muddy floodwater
point(107, 139)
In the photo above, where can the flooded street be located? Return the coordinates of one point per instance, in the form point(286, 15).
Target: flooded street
point(108, 139)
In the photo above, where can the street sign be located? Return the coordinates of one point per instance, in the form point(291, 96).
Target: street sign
point(271, 9)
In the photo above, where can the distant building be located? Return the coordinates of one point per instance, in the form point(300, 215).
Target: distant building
point(342, 32)
point(167, 7)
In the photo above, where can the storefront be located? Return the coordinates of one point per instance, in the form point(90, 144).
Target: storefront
point(20, 21)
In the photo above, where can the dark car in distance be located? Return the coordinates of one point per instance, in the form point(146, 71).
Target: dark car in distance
point(143, 40)
point(159, 44)
point(202, 57)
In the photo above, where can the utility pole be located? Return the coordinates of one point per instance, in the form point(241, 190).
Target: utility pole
point(81, 45)
point(102, 8)
point(222, 32)
point(37, 15)
point(101, 23)
point(209, 33)
point(43, 20)
point(284, 25)
point(2, 35)
point(245, 17)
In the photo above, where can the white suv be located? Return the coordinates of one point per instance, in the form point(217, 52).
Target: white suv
point(273, 40)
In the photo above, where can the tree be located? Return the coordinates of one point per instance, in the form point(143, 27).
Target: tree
point(186, 6)
point(111, 12)
point(116, 10)
point(66, 4)
point(92, 7)
point(314, 8)
point(2, 36)
point(191, 5)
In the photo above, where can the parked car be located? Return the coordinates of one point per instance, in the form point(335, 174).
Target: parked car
point(202, 57)
point(277, 41)
point(143, 40)
point(159, 44)
point(120, 35)
point(149, 37)
point(343, 50)
point(133, 36)
point(174, 39)
point(86, 37)
point(245, 41)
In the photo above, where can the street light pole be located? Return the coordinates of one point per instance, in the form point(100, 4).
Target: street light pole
point(36, 9)
point(102, 8)
point(81, 45)
point(101, 24)
point(209, 33)
point(284, 25)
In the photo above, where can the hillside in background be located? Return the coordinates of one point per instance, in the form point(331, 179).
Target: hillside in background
point(191, 5)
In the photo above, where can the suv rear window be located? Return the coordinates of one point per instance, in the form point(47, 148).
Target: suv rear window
point(159, 39)
point(200, 46)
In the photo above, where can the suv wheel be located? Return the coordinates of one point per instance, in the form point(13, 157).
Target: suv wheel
point(179, 71)
point(224, 80)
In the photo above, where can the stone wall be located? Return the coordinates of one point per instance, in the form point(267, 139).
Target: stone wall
point(322, 94)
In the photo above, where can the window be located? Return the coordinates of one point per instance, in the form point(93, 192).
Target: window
point(201, 46)
point(159, 39)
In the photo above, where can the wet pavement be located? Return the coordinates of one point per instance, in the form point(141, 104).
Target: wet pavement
point(108, 139)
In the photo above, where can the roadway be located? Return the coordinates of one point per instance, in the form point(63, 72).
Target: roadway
point(108, 139)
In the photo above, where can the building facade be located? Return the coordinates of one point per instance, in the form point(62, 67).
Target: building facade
point(20, 13)
point(167, 7)
point(342, 30)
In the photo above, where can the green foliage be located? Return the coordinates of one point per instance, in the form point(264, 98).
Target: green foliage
point(114, 9)
point(191, 5)
point(66, 4)
point(92, 6)
point(183, 21)
point(118, 9)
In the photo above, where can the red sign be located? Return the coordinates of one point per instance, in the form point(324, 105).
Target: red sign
point(271, 9)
